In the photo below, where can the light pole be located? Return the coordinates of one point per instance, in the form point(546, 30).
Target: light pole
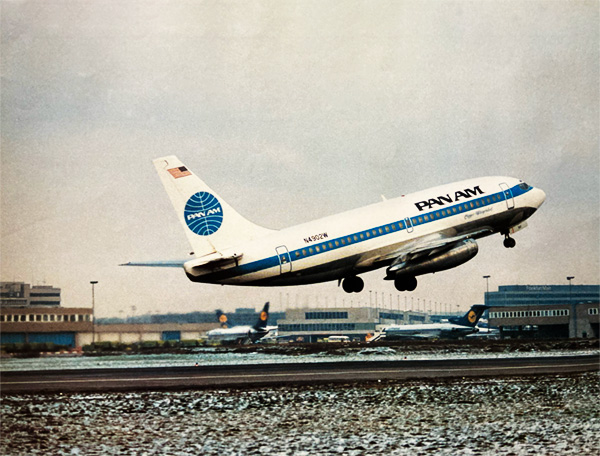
point(487, 282)
point(573, 324)
point(93, 282)
point(487, 288)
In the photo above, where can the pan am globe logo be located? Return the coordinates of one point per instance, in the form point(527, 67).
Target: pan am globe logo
point(203, 214)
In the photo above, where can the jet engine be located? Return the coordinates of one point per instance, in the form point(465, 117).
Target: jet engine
point(436, 260)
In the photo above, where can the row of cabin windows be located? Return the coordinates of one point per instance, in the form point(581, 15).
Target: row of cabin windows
point(456, 209)
point(347, 240)
point(51, 318)
point(593, 311)
point(531, 313)
point(375, 232)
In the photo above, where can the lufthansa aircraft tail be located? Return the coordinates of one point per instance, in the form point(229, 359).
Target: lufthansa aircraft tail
point(263, 318)
point(471, 317)
point(222, 319)
point(211, 225)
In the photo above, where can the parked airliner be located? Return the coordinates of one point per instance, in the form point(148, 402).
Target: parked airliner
point(241, 334)
point(455, 327)
point(416, 234)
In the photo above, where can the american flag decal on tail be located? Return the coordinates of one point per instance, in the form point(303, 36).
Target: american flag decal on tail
point(182, 171)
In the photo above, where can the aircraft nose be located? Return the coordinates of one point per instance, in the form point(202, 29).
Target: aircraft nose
point(540, 196)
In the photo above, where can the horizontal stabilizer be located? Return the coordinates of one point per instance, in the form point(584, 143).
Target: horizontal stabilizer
point(157, 264)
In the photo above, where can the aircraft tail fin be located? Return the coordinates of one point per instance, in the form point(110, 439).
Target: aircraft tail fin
point(262, 318)
point(211, 225)
point(222, 319)
point(471, 317)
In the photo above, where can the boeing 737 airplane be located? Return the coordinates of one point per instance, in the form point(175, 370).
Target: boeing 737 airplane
point(421, 233)
point(241, 334)
point(455, 328)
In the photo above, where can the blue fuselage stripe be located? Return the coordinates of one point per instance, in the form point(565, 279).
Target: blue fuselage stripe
point(366, 235)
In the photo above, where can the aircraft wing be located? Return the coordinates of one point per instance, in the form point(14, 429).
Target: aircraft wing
point(425, 246)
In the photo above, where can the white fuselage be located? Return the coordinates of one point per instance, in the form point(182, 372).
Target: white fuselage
point(365, 239)
point(433, 330)
point(235, 333)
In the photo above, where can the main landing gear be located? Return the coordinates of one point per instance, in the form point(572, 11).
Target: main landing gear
point(509, 242)
point(353, 284)
point(406, 283)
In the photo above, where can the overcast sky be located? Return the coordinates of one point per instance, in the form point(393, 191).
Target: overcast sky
point(290, 110)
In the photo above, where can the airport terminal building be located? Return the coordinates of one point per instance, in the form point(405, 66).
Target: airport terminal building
point(317, 324)
point(545, 311)
point(33, 314)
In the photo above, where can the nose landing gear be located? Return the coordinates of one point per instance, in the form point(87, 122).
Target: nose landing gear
point(509, 242)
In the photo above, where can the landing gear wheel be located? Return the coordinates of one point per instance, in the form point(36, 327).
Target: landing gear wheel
point(406, 284)
point(353, 284)
point(359, 284)
point(509, 242)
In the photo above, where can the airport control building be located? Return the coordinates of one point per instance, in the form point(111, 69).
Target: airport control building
point(545, 311)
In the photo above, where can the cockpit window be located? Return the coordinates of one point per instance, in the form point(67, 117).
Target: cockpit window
point(524, 186)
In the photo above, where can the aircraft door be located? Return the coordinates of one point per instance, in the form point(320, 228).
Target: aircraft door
point(508, 196)
point(408, 224)
point(285, 261)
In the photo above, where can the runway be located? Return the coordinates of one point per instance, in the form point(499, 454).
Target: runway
point(243, 376)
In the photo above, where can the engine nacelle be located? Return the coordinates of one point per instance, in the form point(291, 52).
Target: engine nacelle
point(460, 253)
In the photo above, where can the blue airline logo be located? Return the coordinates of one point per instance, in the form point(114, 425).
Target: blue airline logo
point(203, 214)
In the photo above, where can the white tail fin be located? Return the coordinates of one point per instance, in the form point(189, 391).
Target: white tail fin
point(210, 224)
